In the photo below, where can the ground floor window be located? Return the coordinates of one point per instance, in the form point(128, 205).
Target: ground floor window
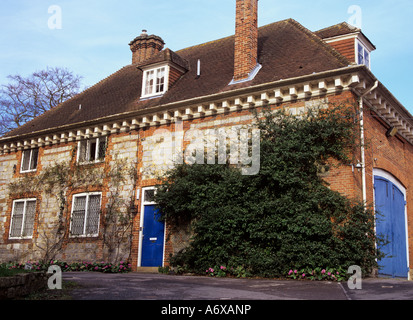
point(22, 219)
point(86, 211)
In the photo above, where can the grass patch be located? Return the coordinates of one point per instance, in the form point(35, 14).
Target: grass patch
point(47, 294)
point(5, 272)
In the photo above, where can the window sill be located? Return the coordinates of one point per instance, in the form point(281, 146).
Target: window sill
point(83, 237)
point(28, 171)
point(85, 163)
point(20, 238)
point(158, 95)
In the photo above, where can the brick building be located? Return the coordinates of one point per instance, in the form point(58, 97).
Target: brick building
point(118, 122)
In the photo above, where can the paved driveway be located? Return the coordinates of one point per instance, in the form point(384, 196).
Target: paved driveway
point(138, 286)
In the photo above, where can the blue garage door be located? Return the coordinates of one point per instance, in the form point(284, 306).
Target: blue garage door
point(391, 224)
point(153, 238)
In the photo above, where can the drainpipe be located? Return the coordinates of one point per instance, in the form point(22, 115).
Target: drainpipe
point(363, 156)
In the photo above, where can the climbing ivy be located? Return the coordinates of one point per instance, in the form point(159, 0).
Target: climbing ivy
point(284, 217)
point(57, 180)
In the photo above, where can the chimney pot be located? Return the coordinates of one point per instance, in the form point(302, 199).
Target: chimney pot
point(145, 46)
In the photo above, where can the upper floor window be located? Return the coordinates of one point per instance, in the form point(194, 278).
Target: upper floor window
point(154, 82)
point(29, 160)
point(86, 215)
point(363, 55)
point(92, 150)
point(22, 219)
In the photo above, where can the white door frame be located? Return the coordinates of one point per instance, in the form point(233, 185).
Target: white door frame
point(143, 204)
point(386, 175)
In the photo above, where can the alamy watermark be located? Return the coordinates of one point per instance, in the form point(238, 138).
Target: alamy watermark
point(55, 280)
point(355, 281)
point(55, 21)
point(356, 18)
point(239, 146)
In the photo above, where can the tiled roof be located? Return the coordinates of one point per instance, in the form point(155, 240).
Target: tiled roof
point(340, 29)
point(285, 50)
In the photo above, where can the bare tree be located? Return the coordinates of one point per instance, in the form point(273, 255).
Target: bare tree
point(25, 98)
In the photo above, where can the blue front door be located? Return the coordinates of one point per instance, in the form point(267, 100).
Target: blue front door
point(153, 238)
point(391, 225)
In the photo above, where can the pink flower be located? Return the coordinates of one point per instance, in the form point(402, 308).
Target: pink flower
point(329, 273)
point(295, 271)
point(96, 268)
point(290, 272)
point(303, 275)
point(323, 271)
point(223, 268)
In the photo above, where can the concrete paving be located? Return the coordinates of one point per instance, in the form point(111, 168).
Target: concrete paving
point(142, 286)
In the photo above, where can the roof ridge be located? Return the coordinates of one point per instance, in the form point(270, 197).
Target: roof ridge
point(227, 37)
point(350, 26)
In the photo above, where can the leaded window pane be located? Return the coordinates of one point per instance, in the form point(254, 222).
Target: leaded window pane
point(17, 219)
point(26, 160)
point(102, 149)
point(82, 151)
point(92, 225)
point(33, 157)
point(78, 215)
point(150, 77)
point(29, 219)
point(160, 80)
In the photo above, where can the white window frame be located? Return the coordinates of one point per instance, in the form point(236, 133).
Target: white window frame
point(31, 159)
point(365, 50)
point(25, 201)
point(84, 234)
point(88, 143)
point(154, 92)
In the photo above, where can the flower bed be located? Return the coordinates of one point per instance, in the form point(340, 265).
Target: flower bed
point(319, 274)
point(105, 267)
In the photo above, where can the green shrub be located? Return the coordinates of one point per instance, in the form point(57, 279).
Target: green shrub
point(284, 216)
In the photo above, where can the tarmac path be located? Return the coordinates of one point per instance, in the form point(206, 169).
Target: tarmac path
point(140, 286)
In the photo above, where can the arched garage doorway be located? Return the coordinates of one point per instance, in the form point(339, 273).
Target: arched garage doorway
point(390, 202)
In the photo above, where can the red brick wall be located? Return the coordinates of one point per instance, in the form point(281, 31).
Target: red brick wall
point(391, 154)
point(346, 48)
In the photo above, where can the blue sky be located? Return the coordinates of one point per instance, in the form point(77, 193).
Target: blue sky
point(94, 35)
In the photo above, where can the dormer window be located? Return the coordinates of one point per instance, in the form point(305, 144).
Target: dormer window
point(363, 55)
point(155, 82)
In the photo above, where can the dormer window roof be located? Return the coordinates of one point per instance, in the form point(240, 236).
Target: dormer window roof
point(350, 41)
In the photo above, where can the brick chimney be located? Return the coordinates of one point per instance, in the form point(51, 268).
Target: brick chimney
point(246, 39)
point(145, 46)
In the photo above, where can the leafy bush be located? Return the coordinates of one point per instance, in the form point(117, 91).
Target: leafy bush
point(284, 216)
